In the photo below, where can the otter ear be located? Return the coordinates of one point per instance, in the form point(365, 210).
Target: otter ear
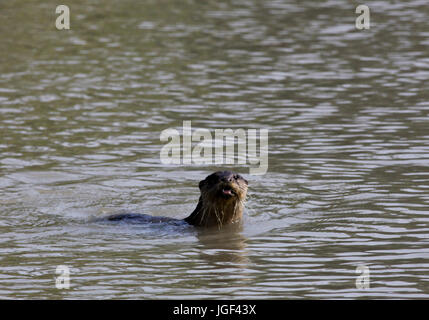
point(201, 184)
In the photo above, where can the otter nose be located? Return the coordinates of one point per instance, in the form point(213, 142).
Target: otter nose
point(227, 178)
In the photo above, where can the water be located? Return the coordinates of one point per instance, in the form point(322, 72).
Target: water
point(81, 112)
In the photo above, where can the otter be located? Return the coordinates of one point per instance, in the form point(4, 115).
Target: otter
point(221, 203)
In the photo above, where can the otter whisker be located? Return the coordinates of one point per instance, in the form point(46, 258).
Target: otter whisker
point(223, 195)
point(235, 209)
point(218, 218)
point(203, 215)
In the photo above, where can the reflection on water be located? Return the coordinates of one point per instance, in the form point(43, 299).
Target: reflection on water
point(226, 245)
point(81, 112)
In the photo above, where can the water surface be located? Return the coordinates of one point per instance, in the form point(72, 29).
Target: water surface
point(81, 112)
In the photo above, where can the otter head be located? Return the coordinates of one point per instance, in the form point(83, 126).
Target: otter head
point(222, 200)
point(223, 187)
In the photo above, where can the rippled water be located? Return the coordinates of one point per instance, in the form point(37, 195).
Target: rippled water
point(81, 112)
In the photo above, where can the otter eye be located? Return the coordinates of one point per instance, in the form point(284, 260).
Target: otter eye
point(237, 176)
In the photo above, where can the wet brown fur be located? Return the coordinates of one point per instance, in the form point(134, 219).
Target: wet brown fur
point(216, 209)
